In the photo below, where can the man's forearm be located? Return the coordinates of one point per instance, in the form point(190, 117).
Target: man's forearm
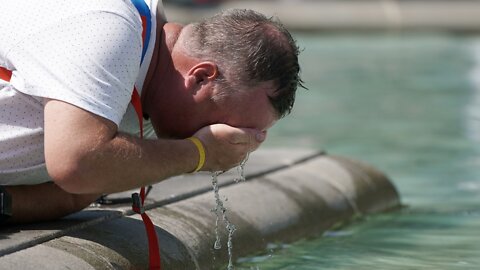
point(127, 162)
point(44, 202)
point(85, 154)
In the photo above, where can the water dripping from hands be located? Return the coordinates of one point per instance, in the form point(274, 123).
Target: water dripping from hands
point(221, 210)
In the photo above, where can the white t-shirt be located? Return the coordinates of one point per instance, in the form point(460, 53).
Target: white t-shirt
point(86, 53)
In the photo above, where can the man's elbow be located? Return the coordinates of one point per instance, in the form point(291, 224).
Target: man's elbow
point(68, 174)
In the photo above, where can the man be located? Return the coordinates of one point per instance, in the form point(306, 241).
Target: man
point(67, 131)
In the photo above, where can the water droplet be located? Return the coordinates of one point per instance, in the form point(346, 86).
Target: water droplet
point(217, 244)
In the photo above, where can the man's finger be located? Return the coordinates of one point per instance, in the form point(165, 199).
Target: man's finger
point(261, 136)
point(246, 136)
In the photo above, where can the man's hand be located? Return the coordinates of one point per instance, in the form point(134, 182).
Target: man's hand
point(227, 146)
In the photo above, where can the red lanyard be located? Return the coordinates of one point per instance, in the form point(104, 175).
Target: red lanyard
point(139, 200)
point(5, 74)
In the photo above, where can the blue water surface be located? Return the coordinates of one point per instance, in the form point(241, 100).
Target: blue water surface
point(408, 104)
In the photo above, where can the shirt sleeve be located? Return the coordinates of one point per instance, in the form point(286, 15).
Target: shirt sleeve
point(90, 60)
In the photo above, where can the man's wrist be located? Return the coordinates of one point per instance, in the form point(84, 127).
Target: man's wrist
point(201, 153)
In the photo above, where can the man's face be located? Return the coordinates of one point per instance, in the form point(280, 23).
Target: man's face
point(250, 109)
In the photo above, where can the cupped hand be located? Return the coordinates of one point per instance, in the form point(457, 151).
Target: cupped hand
point(227, 146)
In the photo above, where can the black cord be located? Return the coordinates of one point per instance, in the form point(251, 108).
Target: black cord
point(104, 200)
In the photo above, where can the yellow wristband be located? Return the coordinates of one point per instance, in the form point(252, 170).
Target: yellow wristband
point(201, 153)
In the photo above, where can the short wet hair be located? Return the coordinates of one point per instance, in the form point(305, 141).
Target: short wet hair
point(249, 48)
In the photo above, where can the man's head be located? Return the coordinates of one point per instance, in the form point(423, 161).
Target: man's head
point(249, 49)
point(238, 67)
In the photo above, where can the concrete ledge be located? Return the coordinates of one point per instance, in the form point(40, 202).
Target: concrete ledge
point(288, 195)
point(355, 15)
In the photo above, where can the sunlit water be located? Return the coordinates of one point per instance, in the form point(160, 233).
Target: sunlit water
point(410, 106)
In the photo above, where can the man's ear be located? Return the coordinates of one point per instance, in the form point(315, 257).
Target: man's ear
point(200, 74)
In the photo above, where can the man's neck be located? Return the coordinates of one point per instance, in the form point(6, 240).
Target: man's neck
point(167, 35)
